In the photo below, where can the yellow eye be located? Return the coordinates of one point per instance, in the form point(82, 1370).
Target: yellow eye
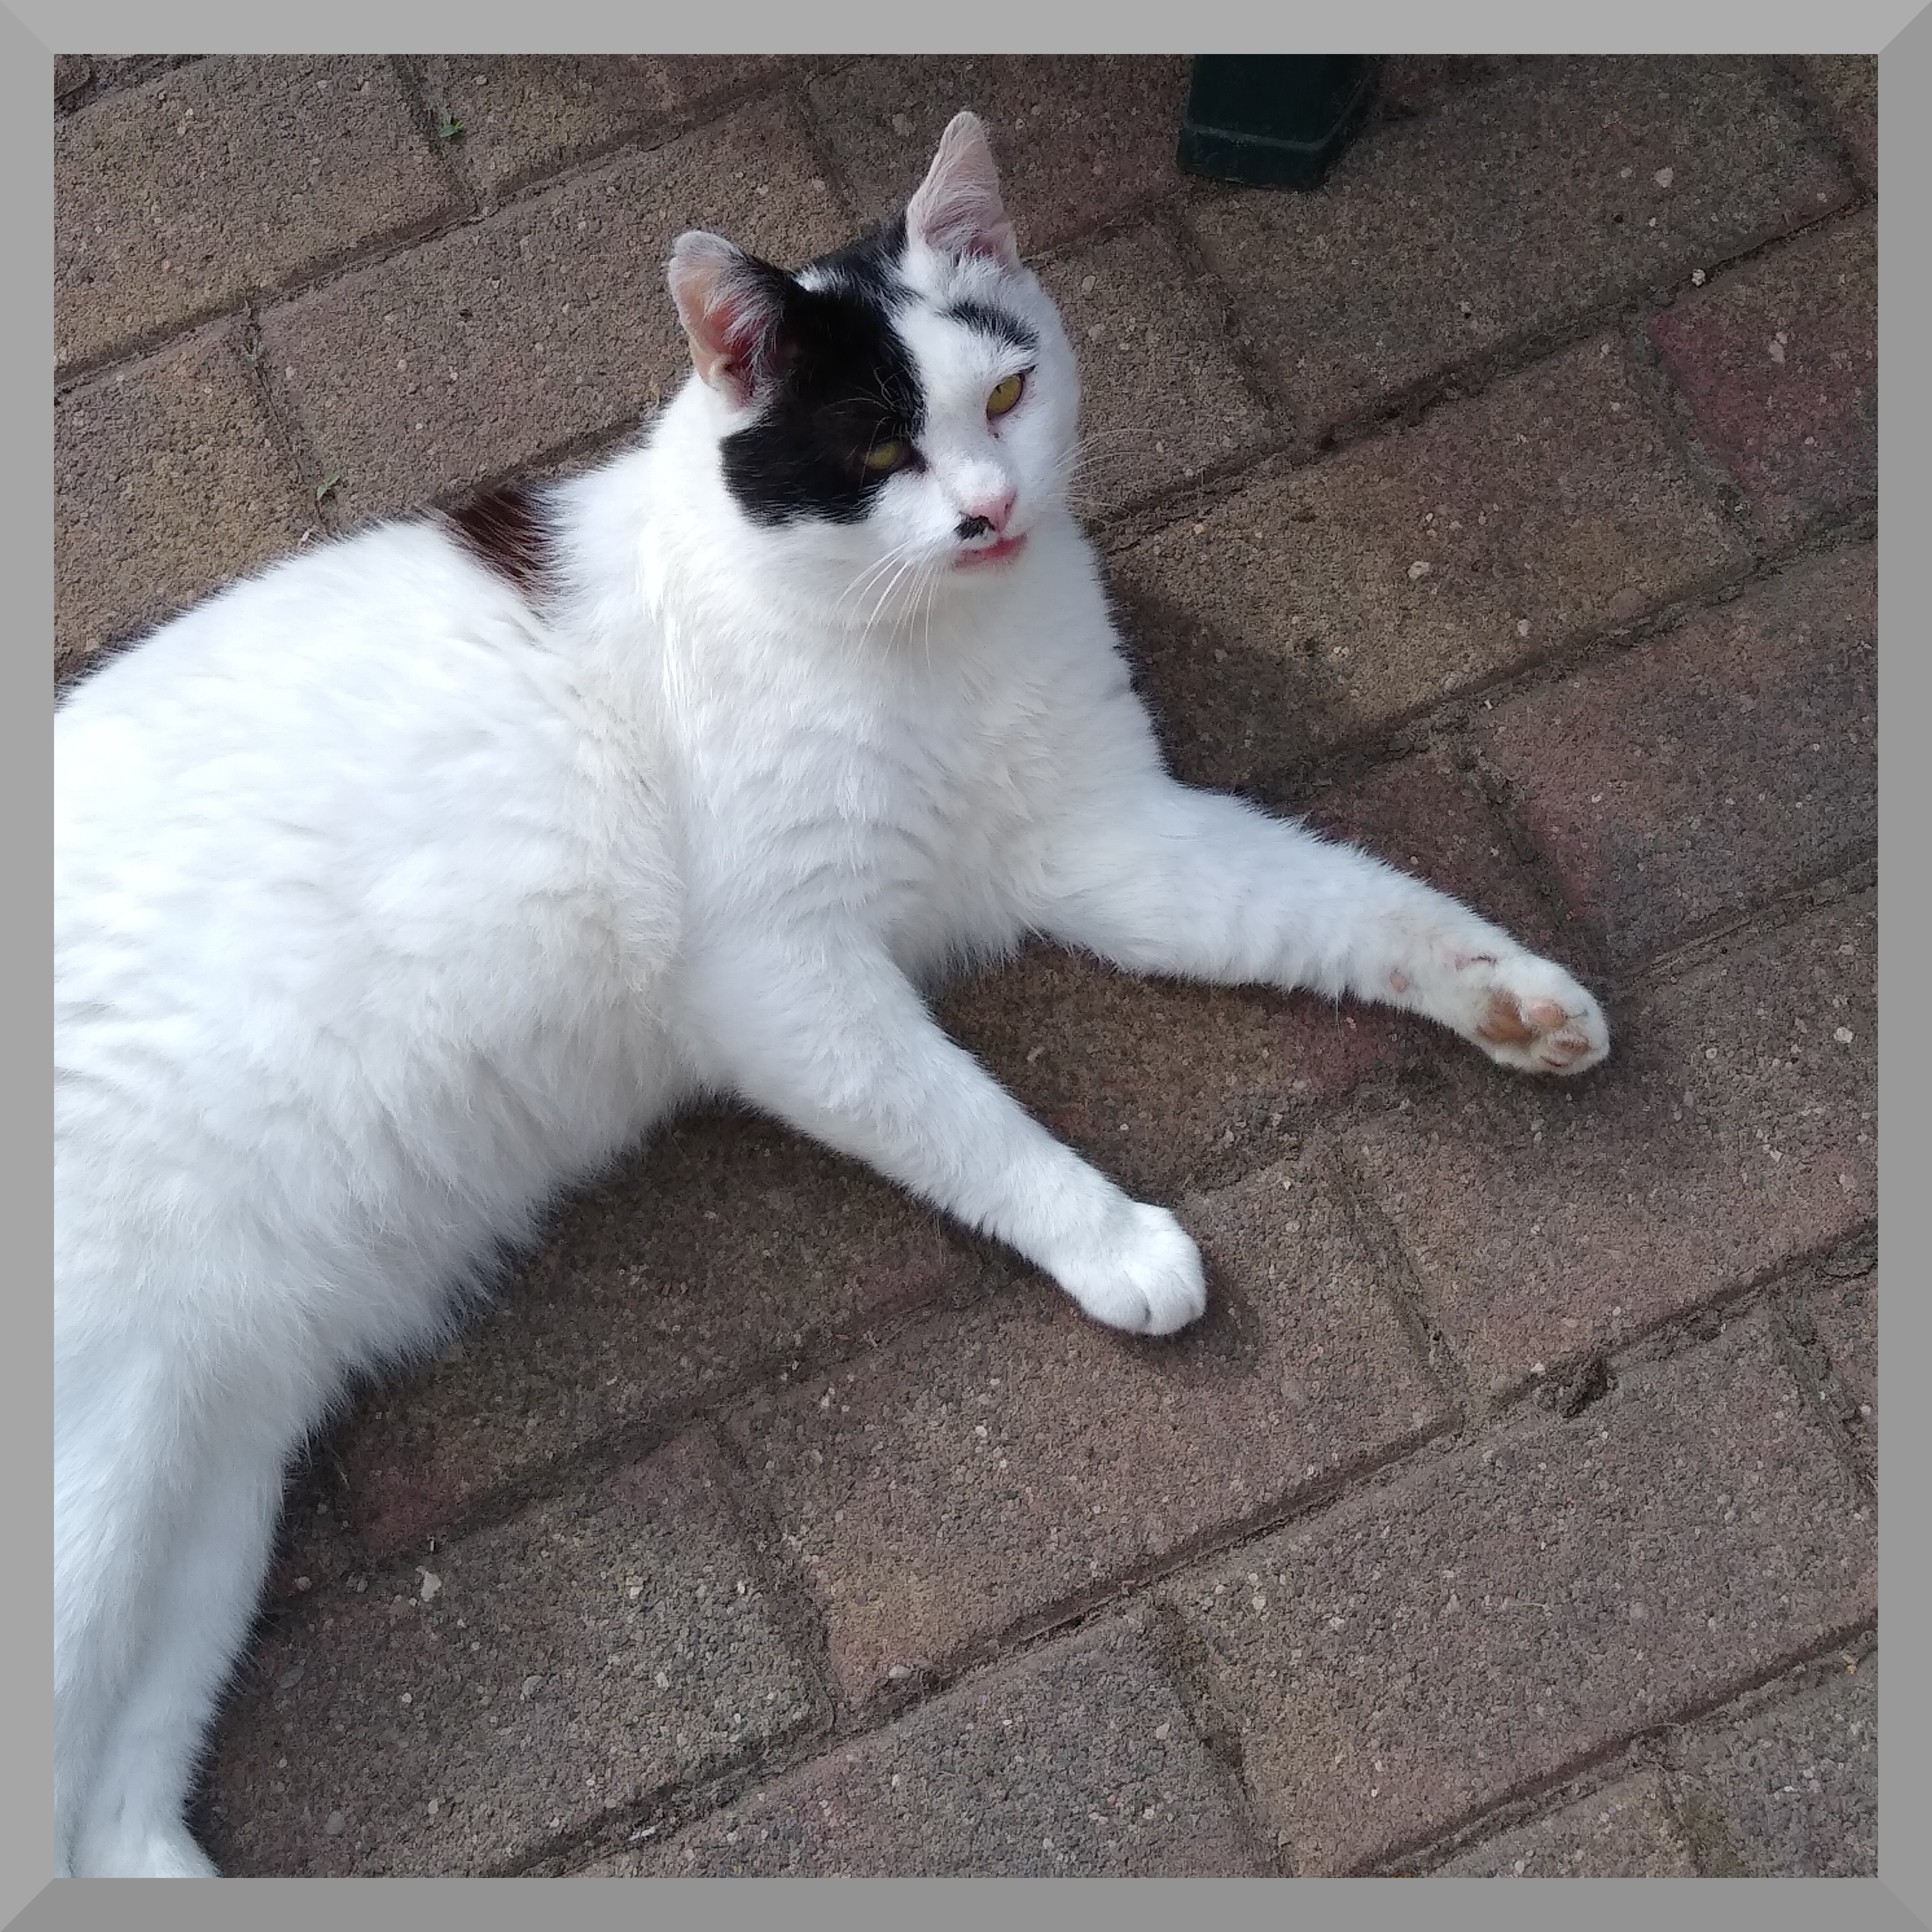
point(884, 456)
point(1006, 394)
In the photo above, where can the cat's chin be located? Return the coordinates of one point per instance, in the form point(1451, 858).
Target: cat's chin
point(1004, 551)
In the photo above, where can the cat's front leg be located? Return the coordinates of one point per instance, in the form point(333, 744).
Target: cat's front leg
point(826, 1032)
point(1160, 878)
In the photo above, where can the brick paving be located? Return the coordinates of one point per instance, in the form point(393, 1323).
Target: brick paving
point(1628, 1830)
point(1508, 504)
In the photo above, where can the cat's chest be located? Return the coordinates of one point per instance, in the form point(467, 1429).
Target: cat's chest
point(885, 800)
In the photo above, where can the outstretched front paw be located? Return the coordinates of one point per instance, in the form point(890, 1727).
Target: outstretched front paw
point(1528, 1013)
point(1147, 1280)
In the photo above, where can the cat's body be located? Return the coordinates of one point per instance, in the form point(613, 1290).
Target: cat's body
point(403, 886)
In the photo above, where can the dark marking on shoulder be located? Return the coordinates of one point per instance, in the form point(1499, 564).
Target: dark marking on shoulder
point(991, 321)
point(506, 529)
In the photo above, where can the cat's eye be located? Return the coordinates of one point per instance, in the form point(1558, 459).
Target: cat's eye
point(884, 457)
point(1006, 394)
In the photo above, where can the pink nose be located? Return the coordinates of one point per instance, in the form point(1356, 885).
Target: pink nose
point(992, 510)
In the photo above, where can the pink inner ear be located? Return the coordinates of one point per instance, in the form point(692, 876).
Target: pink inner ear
point(728, 319)
point(957, 209)
point(738, 319)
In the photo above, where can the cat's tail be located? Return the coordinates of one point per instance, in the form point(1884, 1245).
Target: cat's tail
point(166, 1500)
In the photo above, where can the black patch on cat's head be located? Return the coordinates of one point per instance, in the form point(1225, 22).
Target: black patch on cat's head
point(504, 528)
point(843, 383)
point(991, 321)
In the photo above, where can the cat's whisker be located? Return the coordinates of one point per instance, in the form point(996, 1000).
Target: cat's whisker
point(934, 571)
point(874, 570)
point(909, 562)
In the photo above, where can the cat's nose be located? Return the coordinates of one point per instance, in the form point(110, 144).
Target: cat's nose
point(988, 513)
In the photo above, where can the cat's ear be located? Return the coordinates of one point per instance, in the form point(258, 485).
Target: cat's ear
point(956, 210)
point(732, 306)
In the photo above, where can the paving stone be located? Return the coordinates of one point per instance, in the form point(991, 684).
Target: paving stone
point(1701, 772)
point(547, 324)
point(522, 1683)
point(168, 480)
point(1780, 362)
point(72, 73)
point(1516, 210)
point(1732, 1129)
point(222, 180)
point(527, 115)
point(1076, 1760)
point(1625, 1831)
point(995, 1467)
point(729, 1253)
point(1321, 605)
point(1163, 398)
point(1796, 1786)
point(1845, 1314)
point(1848, 84)
point(1170, 1086)
point(1413, 1657)
point(1079, 138)
point(108, 73)
point(1413, 84)
point(1165, 1085)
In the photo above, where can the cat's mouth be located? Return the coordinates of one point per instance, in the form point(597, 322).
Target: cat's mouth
point(1001, 552)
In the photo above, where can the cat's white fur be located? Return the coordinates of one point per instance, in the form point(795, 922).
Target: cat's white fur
point(387, 907)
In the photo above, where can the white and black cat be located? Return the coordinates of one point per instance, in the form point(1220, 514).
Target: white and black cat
point(412, 880)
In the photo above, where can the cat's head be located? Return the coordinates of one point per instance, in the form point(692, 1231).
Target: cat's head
point(910, 398)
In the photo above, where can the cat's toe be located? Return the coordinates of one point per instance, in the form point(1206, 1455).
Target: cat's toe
point(1149, 1281)
point(1536, 1018)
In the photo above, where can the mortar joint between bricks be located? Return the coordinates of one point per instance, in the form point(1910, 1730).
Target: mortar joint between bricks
point(1805, 1353)
point(1216, 481)
point(801, 1623)
point(1116, 222)
point(1693, 1807)
point(1171, 215)
point(659, 1817)
point(1622, 314)
point(824, 152)
point(585, 1464)
point(1678, 1334)
point(1181, 1655)
point(100, 86)
point(1528, 1806)
point(1401, 1292)
point(427, 115)
point(580, 1467)
point(1489, 787)
point(283, 425)
point(1128, 1591)
point(1712, 938)
point(1716, 267)
point(1699, 1820)
point(1653, 1742)
point(1671, 414)
point(1797, 1675)
point(1821, 121)
point(645, 137)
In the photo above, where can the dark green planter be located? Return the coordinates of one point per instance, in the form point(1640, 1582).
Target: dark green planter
point(1273, 120)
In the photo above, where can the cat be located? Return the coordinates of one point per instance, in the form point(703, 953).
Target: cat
point(412, 880)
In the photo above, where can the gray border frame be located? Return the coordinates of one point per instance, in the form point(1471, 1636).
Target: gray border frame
point(1903, 1896)
point(1905, 430)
